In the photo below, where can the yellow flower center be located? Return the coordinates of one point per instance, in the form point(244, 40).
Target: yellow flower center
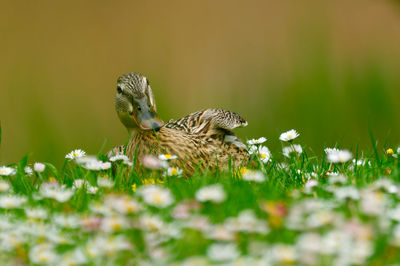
point(75, 154)
point(3, 171)
point(174, 171)
point(157, 198)
point(390, 151)
point(263, 156)
point(116, 226)
point(168, 156)
point(134, 187)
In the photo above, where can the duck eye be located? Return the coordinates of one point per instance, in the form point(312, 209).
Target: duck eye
point(119, 90)
point(139, 108)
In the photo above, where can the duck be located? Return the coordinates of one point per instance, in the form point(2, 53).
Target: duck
point(202, 140)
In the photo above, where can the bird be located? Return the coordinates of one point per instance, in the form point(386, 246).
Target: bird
point(202, 140)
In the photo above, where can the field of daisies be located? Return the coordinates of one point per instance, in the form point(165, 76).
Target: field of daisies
point(287, 207)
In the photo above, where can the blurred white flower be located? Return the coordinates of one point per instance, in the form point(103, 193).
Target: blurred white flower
point(385, 184)
point(36, 213)
point(289, 135)
point(78, 183)
point(43, 254)
point(248, 222)
point(69, 221)
point(309, 246)
point(97, 165)
point(6, 171)
point(39, 167)
point(253, 175)
point(11, 201)
point(373, 202)
point(310, 185)
point(320, 218)
point(151, 222)
point(220, 233)
point(123, 204)
point(75, 154)
point(173, 171)
point(105, 182)
point(335, 179)
point(103, 245)
point(295, 148)
point(152, 162)
point(55, 191)
point(349, 192)
point(214, 193)
point(119, 157)
point(4, 186)
point(330, 150)
point(155, 195)
point(395, 213)
point(114, 223)
point(167, 157)
point(256, 141)
point(92, 189)
point(74, 257)
point(339, 156)
point(28, 170)
point(223, 252)
point(284, 254)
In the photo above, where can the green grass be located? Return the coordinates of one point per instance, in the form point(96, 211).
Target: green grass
point(292, 222)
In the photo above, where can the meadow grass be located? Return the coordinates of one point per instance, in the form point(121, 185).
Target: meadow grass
point(295, 209)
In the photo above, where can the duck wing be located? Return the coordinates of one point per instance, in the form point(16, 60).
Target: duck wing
point(208, 121)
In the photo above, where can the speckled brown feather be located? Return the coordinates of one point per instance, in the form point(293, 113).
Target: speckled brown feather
point(194, 151)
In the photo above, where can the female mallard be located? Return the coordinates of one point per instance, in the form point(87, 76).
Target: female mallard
point(200, 140)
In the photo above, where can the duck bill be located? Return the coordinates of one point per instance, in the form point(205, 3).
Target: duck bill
point(147, 119)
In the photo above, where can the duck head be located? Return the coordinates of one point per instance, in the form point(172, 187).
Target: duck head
point(135, 104)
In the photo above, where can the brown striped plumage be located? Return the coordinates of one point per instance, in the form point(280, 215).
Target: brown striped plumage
point(201, 140)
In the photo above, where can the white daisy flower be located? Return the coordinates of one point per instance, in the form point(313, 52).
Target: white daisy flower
point(152, 162)
point(39, 167)
point(43, 254)
point(96, 165)
point(256, 141)
point(28, 170)
point(36, 213)
point(55, 191)
point(167, 157)
point(289, 135)
point(339, 156)
point(4, 186)
point(155, 195)
point(296, 148)
point(75, 154)
point(92, 189)
point(173, 171)
point(330, 150)
point(119, 157)
point(128, 163)
point(252, 175)
point(79, 183)
point(223, 252)
point(105, 182)
point(262, 151)
point(214, 193)
point(11, 201)
point(6, 171)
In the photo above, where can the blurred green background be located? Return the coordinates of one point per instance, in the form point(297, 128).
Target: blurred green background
point(329, 69)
